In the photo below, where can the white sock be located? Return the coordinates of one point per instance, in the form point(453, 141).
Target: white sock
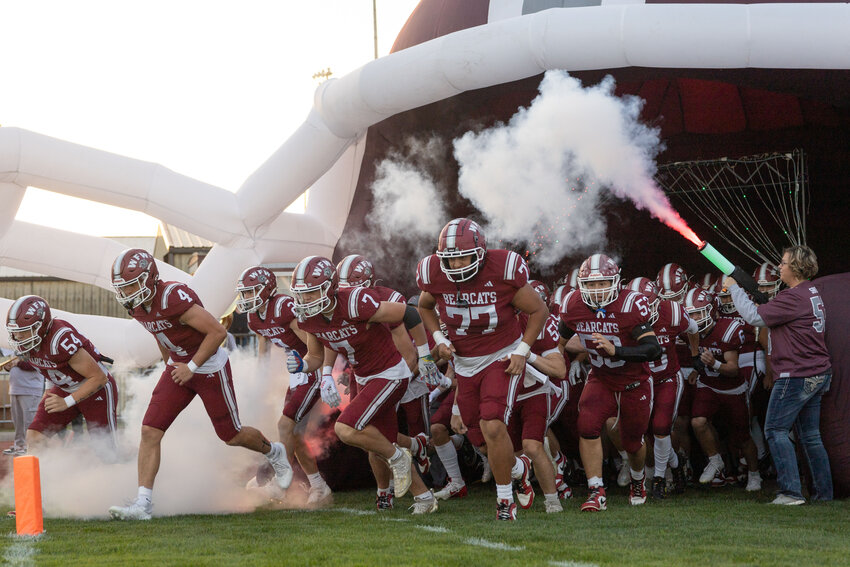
point(517, 469)
point(637, 475)
point(277, 452)
point(505, 492)
point(663, 448)
point(717, 461)
point(145, 495)
point(674, 460)
point(457, 440)
point(382, 490)
point(392, 485)
point(594, 482)
point(551, 497)
point(624, 455)
point(448, 456)
point(424, 496)
point(753, 474)
point(414, 445)
point(397, 455)
point(758, 437)
point(315, 479)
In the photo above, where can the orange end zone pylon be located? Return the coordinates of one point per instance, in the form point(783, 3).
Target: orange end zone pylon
point(28, 515)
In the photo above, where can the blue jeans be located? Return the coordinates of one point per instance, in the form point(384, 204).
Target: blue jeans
point(796, 402)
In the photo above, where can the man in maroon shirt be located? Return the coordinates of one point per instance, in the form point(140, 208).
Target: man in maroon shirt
point(801, 364)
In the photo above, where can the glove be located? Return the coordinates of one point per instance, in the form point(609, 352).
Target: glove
point(575, 373)
point(428, 370)
point(294, 362)
point(297, 379)
point(330, 395)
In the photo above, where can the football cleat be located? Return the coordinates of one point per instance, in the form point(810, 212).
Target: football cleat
point(753, 482)
point(134, 511)
point(401, 472)
point(384, 501)
point(421, 454)
point(659, 488)
point(637, 491)
point(425, 505)
point(713, 475)
point(564, 491)
point(452, 489)
point(554, 507)
point(281, 466)
point(680, 480)
point(320, 496)
point(486, 472)
point(624, 475)
point(522, 485)
point(506, 510)
point(596, 500)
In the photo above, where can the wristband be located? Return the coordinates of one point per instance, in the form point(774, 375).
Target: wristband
point(423, 350)
point(716, 365)
point(70, 401)
point(523, 349)
point(455, 410)
point(441, 339)
point(327, 370)
point(531, 357)
point(192, 366)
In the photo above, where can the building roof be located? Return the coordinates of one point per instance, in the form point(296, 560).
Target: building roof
point(177, 238)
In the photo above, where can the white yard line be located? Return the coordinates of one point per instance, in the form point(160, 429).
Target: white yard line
point(571, 564)
point(434, 529)
point(491, 544)
point(21, 552)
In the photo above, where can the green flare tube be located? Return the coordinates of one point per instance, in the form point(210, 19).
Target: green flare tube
point(716, 258)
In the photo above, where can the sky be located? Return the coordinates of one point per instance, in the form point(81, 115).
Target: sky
point(206, 88)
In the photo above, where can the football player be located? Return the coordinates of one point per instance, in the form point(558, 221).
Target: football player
point(478, 292)
point(720, 388)
point(348, 320)
point(189, 339)
point(81, 384)
point(669, 320)
point(271, 316)
point(356, 271)
point(614, 328)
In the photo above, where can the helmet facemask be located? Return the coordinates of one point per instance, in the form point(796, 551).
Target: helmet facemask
point(465, 273)
point(134, 298)
point(249, 303)
point(304, 308)
point(25, 345)
point(597, 298)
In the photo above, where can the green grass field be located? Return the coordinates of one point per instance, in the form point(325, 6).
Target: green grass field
point(721, 527)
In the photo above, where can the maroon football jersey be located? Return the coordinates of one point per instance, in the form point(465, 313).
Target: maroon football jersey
point(391, 295)
point(478, 313)
point(727, 334)
point(170, 301)
point(276, 326)
point(616, 323)
point(672, 322)
point(52, 357)
point(369, 348)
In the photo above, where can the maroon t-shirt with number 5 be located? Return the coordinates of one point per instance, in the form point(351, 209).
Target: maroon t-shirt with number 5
point(797, 321)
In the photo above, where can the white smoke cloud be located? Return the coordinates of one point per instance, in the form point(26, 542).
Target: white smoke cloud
point(199, 473)
point(538, 179)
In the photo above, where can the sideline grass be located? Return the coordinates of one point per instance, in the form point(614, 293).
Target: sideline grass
point(721, 527)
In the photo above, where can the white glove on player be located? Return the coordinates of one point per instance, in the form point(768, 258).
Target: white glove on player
point(297, 379)
point(576, 371)
point(428, 371)
point(330, 395)
point(294, 362)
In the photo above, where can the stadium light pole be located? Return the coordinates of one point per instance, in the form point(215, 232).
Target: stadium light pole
point(375, 24)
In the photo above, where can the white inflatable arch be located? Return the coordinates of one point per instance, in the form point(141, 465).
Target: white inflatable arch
point(325, 152)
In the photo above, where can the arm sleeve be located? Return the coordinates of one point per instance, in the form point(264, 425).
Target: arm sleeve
point(565, 332)
point(411, 317)
point(646, 350)
point(746, 308)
